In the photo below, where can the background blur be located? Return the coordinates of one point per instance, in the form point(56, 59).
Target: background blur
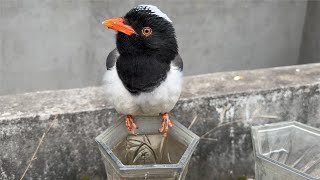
point(59, 44)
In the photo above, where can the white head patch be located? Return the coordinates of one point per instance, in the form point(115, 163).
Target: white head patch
point(154, 10)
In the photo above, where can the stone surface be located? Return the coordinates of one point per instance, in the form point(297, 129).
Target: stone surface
point(225, 105)
point(61, 44)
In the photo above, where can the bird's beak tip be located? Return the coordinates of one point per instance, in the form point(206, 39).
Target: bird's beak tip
point(118, 25)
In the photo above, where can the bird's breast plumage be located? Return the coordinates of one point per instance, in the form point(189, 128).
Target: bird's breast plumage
point(141, 74)
point(159, 98)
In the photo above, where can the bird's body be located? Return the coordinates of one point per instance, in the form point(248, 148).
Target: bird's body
point(159, 97)
point(144, 71)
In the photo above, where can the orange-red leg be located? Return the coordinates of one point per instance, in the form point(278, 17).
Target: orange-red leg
point(165, 123)
point(130, 124)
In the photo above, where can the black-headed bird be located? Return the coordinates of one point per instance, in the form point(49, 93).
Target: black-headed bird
point(144, 71)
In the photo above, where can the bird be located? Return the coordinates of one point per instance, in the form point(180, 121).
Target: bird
point(145, 71)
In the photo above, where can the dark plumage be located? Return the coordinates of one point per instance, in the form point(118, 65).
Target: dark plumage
point(144, 61)
point(144, 72)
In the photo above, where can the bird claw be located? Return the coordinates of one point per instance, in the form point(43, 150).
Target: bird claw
point(130, 124)
point(165, 123)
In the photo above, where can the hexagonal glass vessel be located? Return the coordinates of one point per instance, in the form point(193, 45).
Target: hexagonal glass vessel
point(146, 155)
point(286, 151)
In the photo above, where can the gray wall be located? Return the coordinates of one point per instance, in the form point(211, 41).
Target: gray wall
point(310, 46)
point(62, 44)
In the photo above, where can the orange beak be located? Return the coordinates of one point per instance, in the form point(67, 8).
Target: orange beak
point(118, 25)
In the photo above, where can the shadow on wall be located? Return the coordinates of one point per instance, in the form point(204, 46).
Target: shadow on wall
point(310, 46)
point(62, 44)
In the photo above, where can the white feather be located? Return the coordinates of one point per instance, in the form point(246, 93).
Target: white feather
point(154, 10)
point(160, 100)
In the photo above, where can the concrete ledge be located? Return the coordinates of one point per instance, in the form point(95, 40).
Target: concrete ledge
point(224, 105)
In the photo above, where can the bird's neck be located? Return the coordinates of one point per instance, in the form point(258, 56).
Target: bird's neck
point(161, 55)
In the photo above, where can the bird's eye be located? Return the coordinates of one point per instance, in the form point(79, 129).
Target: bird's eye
point(146, 31)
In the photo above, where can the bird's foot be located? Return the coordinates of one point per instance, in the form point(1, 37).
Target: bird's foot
point(130, 124)
point(165, 123)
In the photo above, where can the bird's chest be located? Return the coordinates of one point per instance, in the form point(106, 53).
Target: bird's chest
point(160, 99)
point(141, 74)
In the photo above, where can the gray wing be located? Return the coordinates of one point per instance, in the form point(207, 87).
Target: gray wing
point(112, 58)
point(177, 62)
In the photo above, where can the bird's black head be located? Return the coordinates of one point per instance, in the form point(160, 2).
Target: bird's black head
point(145, 30)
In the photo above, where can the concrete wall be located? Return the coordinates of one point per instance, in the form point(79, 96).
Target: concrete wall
point(310, 46)
point(62, 44)
point(224, 106)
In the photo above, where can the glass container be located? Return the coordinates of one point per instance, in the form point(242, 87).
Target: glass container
point(147, 154)
point(286, 151)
